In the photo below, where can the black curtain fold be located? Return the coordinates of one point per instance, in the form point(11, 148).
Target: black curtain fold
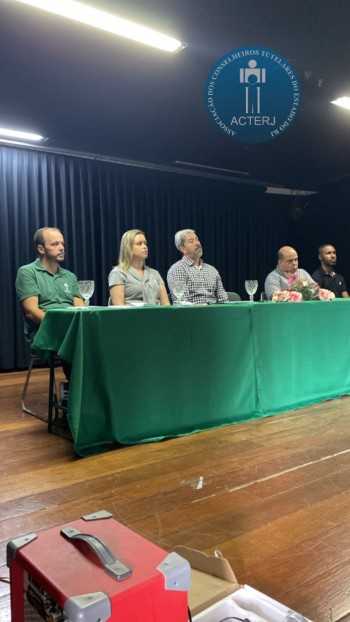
point(94, 202)
point(323, 218)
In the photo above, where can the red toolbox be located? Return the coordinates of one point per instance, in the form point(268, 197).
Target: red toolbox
point(95, 570)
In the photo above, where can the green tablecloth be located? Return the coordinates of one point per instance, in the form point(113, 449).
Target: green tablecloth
point(301, 352)
point(144, 374)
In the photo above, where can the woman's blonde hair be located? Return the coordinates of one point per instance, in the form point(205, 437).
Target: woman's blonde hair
point(126, 244)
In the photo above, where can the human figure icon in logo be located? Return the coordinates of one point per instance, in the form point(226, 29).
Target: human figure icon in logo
point(252, 77)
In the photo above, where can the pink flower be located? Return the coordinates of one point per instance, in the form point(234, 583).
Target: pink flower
point(295, 296)
point(285, 296)
point(276, 295)
point(325, 294)
point(299, 282)
point(292, 278)
point(280, 295)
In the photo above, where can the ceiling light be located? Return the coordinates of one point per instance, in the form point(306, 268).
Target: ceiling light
point(106, 21)
point(7, 141)
point(18, 134)
point(293, 192)
point(344, 102)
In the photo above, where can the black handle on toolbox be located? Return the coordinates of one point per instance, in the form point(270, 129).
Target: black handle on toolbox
point(111, 564)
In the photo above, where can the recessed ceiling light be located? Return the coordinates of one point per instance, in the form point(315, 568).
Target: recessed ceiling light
point(344, 102)
point(293, 192)
point(106, 21)
point(18, 134)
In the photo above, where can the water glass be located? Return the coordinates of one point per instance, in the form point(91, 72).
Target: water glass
point(250, 287)
point(86, 289)
point(178, 288)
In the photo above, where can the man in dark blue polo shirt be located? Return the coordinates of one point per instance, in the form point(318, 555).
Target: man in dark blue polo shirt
point(326, 276)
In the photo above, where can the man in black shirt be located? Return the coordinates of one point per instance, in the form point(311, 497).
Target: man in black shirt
point(325, 275)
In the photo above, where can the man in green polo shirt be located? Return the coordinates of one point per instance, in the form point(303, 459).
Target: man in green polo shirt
point(44, 284)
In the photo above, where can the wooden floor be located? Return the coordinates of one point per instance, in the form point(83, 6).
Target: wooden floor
point(275, 497)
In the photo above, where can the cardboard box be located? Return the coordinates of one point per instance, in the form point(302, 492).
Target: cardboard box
point(215, 593)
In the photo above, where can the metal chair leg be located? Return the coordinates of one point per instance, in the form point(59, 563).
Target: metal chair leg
point(25, 408)
point(24, 392)
point(54, 404)
point(50, 418)
point(52, 394)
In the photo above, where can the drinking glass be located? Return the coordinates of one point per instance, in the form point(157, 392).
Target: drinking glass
point(250, 287)
point(179, 290)
point(86, 289)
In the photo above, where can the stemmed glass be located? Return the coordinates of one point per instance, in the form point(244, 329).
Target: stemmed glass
point(250, 288)
point(178, 288)
point(86, 289)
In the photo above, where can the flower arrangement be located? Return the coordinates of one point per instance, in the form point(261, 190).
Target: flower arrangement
point(299, 289)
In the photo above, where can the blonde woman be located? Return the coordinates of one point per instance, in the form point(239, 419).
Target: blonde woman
point(131, 280)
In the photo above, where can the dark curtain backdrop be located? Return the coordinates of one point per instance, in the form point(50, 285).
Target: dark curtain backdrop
point(323, 218)
point(94, 202)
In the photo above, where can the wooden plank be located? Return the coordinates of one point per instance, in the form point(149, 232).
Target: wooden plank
point(272, 494)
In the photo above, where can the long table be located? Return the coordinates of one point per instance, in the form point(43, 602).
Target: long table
point(144, 374)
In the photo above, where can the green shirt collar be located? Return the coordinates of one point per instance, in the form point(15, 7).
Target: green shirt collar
point(39, 266)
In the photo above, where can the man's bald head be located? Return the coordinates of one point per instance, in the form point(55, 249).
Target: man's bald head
point(287, 260)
